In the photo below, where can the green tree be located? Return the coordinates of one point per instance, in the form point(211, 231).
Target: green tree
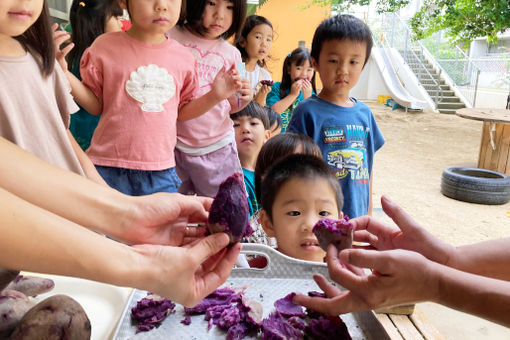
point(462, 20)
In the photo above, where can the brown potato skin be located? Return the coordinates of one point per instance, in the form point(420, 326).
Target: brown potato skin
point(57, 317)
point(13, 306)
point(6, 276)
point(31, 285)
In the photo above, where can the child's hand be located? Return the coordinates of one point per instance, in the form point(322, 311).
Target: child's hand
point(60, 37)
point(261, 95)
point(296, 87)
point(306, 88)
point(246, 92)
point(226, 83)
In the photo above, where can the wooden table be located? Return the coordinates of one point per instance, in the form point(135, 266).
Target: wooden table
point(495, 145)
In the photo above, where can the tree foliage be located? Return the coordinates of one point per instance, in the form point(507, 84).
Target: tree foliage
point(462, 20)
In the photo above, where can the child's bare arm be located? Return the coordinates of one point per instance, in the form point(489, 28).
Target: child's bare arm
point(81, 93)
point(86, 164)
point(261, 96)
point(198, 106)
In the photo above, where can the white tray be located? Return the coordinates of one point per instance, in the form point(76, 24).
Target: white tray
point(280, 277)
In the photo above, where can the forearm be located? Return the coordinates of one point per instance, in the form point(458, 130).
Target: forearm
point(62, 192)
point(490, 258)
point(84, 96)
point(260, 98)
point(36, 240)
point(197, 107)
point(86, 164)
point(284, 103)
point(485, 297)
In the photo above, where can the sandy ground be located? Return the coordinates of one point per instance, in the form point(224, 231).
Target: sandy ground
point(408, 168)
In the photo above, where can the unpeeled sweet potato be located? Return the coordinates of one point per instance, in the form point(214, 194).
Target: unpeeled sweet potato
point(13, 306)
point(31, 285)
point(57, 317)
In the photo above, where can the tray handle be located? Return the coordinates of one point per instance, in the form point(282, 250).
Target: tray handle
point(278, 265)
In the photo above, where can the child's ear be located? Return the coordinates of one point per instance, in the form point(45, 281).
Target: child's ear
point(266, 223)
point(315, 65)
point(267, 135)
point(122, 4)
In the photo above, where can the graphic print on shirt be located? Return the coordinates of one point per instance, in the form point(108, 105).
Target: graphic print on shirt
point(209, 63)
point(152, 86)
point(346, 152)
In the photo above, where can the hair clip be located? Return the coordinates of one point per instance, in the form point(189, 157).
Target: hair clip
point(82, 4)
point(290, 54)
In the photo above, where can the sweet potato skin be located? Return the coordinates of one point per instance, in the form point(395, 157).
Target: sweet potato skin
point(57, 317)
point(13, 306)
point(31, 285)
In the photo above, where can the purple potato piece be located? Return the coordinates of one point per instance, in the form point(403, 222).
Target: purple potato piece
point(13, 306)
point(267, 82)
point(229, 210)
point(275, 327)
point(150, 311)
point(339, 232)
point(286, 307)
point(57, 317)
point(31, 285)
point(6, 276)
point(327, 328)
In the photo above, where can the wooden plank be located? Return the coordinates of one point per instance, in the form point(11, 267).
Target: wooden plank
point(486, 115)
point(402, 310)
point(426, 328)
point(497, 136)
point(504, 153)
point(483, 145)
point(388, 325)
point(406, 327)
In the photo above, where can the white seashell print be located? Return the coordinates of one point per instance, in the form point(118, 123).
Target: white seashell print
point(152, 86)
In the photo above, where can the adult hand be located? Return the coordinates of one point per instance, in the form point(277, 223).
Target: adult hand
point(408, 235)
point(186, 275)
point(307, 88)
point(59, 37)
point(162, 218)
point(397, 277)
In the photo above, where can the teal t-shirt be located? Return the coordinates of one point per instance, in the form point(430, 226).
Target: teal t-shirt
point(249, 183)
point(274, 97)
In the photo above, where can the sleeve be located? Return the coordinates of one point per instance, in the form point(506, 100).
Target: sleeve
point(91, 73)
point(377, 136)
point(65, 101)
point(189, 87)
point(274, 96)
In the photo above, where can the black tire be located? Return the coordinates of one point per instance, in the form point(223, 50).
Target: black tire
point(476, 185)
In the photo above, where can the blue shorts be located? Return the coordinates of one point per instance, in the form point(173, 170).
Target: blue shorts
point(140, 182)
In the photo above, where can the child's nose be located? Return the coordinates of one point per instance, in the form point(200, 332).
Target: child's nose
point(161, 5)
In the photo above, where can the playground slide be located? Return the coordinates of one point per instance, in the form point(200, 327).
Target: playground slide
point(397, 91)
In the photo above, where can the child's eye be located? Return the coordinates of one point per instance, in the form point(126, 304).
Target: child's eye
point(324, 213)
point(254, 123)
point(354, 62)
point(211, 3)
point(294, 213)
point(237, 125)
point(230, 8)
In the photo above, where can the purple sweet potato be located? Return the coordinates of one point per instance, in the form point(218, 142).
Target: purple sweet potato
point(31, 285)
point(13, 306)
point(6, 276)
point(57, 317)
point(339, 232)
point(229, 210)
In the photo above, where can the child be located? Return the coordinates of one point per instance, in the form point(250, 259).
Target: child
point(254, 43)
point(297, 192)
point(275, 121)
point(298, 83)
point(35, 103)
point(206, 153)
point(89, 19)
point(274, 149)
point(133, 144)
point(251, 127)
point(343, 127)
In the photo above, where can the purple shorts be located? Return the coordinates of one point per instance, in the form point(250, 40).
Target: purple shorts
point(202, 175)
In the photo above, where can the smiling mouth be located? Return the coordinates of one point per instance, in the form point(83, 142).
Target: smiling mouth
point(310, 243)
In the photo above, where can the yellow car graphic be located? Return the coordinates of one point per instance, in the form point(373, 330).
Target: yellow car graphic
point(346, 159)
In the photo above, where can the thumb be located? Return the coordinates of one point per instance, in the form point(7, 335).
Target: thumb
point(361, 258)
point(209, 246)
point(397, 214)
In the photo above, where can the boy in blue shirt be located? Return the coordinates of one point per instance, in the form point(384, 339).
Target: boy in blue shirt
point(343, 127)
point(252, 130)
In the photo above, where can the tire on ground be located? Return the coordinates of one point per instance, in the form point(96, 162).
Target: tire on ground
point(476, 185)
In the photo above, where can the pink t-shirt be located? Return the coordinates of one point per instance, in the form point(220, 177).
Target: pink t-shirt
point(142, 89)
point(211, 57)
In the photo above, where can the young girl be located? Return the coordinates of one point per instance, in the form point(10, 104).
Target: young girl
point(298, 83)
point(206, 153)
point(141, 98)
point(89, 19)
point(254, 43)
point(35, 103)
